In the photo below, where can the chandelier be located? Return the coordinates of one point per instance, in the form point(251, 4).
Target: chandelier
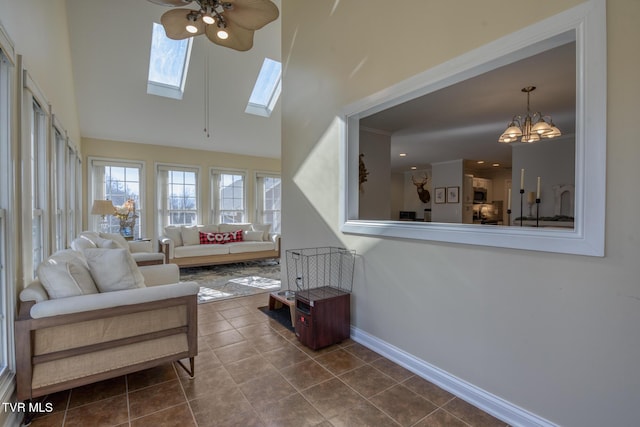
point(228, 23)
point(531, 127)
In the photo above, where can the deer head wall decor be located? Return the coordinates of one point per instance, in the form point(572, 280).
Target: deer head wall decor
point(423, 193)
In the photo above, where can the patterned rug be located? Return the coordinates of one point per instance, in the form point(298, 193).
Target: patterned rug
point(219, 282)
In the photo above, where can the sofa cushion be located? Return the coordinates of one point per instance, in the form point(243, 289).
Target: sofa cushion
point(238, 248)
point(81, 243)
point(200, 250)
point(234, 226)
point(265, 228)
point(174, 233)
point(220, 238)
point(253, 236)
point(65, 274)
point(113, 269)
point(140, 246)
point(190, 235)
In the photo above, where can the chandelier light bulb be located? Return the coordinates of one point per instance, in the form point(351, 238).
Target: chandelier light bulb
point(222, 34)
point(208, 19)
point(191, 28)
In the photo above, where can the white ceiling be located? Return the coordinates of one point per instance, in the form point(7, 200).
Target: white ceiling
point(464, 120)
point(110, 46)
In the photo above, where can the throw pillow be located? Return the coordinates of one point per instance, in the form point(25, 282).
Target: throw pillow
point(120, 241)
point(107, 244)
point(220, 238)
point(252, 236)
point(65, 274)
point(234, 226)
point(190, 235)
point(265, 228)
point(113, 269)
point(174, 233)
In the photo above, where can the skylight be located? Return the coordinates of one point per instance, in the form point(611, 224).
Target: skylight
point(168, 64)
point(266, 90)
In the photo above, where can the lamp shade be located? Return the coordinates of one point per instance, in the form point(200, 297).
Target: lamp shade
point(102, 207)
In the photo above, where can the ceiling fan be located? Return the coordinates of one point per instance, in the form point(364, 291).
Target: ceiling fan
point(229, 23)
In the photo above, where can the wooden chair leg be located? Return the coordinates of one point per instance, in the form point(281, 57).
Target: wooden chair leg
point(192, 367)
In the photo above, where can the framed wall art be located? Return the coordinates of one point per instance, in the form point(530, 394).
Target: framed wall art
point(453, 194)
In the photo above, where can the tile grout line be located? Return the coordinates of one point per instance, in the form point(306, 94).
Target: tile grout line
point(126, 393)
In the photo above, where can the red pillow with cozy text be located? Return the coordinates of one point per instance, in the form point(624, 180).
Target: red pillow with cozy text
point(220, 238)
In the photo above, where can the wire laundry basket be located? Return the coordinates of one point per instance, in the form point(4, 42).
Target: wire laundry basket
point(325, 267)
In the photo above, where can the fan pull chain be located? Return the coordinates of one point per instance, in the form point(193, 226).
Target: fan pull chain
point(206, 95)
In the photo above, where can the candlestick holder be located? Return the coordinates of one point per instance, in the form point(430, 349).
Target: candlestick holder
point(521, 201)
point(537, 212)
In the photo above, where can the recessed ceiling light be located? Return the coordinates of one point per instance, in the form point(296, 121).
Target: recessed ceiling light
point(495, 165)
point(413, 168)
point(480, 162)
point(403, 154)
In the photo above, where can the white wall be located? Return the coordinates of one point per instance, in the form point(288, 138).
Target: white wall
point(554, 334)
point(446, 175)
point(375, 197)
point(44, 44)
point(551, 160)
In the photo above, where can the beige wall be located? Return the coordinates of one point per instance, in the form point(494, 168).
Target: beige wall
point(152, 154)
point(554, 334)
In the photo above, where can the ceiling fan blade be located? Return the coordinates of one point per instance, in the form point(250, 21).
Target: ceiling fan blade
point(239, 38)
point(171, 3)
point(251, 14)
point(175, 23)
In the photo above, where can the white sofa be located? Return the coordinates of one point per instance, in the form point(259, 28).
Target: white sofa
point(141, 250)
point(189, 246)
point(95, 315)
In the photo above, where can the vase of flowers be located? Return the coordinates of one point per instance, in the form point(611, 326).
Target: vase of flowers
point(126, 215)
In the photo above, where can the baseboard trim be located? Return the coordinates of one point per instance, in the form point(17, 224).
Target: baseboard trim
point(494, 405)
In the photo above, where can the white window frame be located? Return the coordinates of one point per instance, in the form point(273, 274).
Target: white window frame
point(58, 186)
point(8, 153)
point(162, 195)
point(588, 21)
point(163, 89)
point(36, 169)
point(260, 200)
point(217, 212)
point(72, 195)
point(96, 183)
point(265, 109)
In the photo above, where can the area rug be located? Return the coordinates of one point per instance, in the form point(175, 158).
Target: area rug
point(281, 315)
point(220, 282)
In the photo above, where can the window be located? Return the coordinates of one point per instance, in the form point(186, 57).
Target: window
point(228, 199)
point(38, 184)
point(586, 23)
point(267, 89)
point(168, 64)
point(72, 196)
point(58, 187)
point(7, 286)
point(269, 193)
point(177, 196)
point(117, 181)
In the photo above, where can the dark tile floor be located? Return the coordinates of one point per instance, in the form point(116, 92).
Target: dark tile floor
point(252, 371)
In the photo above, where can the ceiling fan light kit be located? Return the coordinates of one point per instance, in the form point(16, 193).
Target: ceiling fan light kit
point(228, 23)
point(531, 127)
